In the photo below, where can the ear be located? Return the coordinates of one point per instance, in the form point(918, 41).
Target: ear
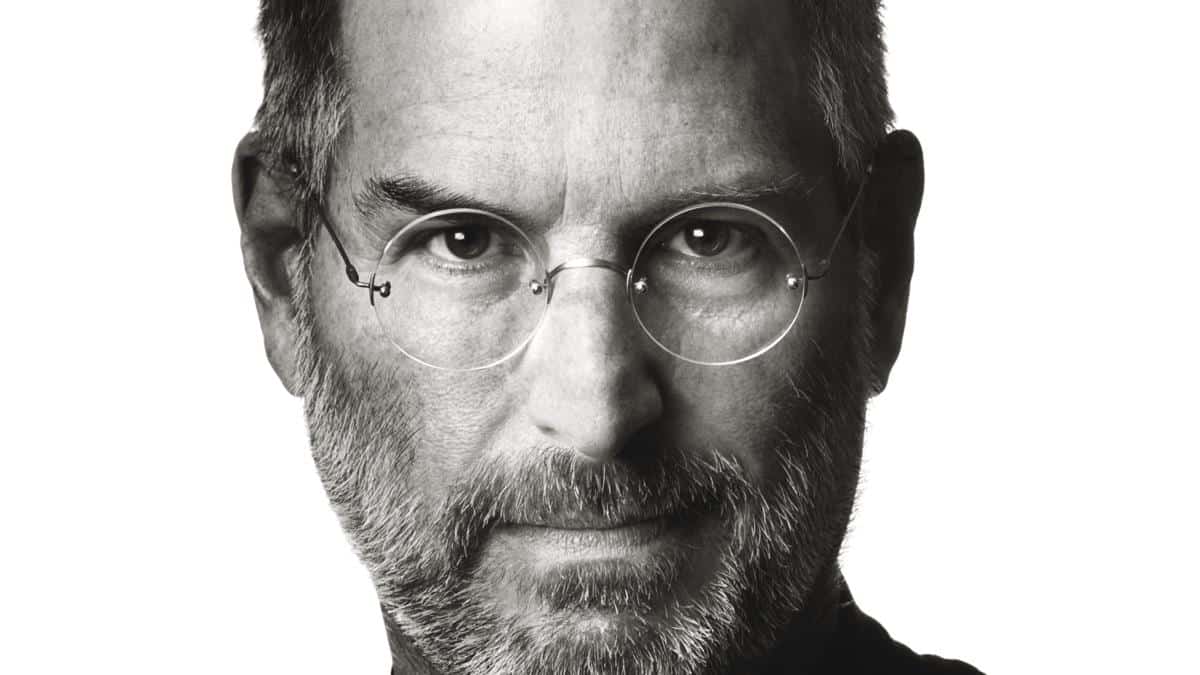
point(893, 201)
point(271, 239)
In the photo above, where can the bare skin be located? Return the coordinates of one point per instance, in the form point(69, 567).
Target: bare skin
point(585, 118)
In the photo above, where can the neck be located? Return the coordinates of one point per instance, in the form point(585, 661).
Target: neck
point(802, 644)
point(800, 647)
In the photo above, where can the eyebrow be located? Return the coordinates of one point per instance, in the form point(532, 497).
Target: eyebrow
point(745, 190)
point(413, 193)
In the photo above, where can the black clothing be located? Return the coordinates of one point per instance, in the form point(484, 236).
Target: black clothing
point(860, 646)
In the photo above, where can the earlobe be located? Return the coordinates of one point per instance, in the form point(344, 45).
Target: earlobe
point(893, 203)
point(271, 238)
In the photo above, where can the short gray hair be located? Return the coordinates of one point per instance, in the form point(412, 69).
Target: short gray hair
point(305, 92)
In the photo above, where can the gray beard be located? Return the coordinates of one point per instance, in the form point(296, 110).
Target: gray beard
point(782, 534)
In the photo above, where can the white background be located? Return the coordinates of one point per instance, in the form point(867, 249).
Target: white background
point(1028, 501)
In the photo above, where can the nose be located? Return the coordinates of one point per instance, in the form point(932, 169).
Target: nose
point(591, 386)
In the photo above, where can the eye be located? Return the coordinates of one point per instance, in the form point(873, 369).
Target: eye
point(708, 239)
point(462, 242)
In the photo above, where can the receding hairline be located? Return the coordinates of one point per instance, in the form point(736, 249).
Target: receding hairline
point(307, 91)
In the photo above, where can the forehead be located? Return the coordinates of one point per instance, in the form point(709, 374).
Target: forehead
point(560, 106)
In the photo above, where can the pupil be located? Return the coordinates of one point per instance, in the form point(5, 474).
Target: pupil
point(706, 240)
point(468, 242)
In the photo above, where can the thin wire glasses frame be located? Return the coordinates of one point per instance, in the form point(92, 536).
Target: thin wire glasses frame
point(633, 286)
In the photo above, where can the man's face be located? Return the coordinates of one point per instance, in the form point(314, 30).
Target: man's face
point(593, 500)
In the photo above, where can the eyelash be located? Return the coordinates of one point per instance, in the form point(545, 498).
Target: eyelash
point(728, 265)
point(463, 267)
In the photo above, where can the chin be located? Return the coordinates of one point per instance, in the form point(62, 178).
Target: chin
point(567, 608)
point(574, 641)
point(577, 631)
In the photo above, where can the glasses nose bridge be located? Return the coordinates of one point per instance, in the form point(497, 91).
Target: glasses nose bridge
point(547, 284)
point(583, 263)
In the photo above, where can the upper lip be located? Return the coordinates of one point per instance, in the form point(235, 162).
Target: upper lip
point(586, 520)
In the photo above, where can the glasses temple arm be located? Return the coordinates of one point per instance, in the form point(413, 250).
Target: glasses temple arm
point(351, 270)
point(823, 262)
point(383, 289)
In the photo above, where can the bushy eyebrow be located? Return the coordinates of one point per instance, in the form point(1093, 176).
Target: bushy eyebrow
point(744, 191)
point(413, 193)
point(748, 190)
point(408, 192)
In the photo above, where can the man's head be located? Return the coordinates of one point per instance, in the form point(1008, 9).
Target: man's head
point(593, 500)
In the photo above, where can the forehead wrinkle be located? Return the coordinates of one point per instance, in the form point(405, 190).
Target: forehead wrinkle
point(632, 50)
point(582, 120)
point(422, 70)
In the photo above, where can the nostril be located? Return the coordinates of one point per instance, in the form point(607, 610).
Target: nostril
point(594, 411)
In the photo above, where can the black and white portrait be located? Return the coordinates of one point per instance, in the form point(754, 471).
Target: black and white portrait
point(664, 337)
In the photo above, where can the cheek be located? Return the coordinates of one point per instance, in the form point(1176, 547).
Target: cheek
point(455, 415)
point(732, 409)
point(461, 418)
point(750, 409)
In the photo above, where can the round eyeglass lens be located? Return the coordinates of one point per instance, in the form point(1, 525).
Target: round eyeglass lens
point(717, 284)
point(460, 296)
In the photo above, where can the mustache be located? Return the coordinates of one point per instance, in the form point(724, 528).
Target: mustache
point(558, 487)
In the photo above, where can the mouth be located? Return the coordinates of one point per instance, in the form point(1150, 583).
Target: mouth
point(581, 537)
point(580, 562)
point(575, 539)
